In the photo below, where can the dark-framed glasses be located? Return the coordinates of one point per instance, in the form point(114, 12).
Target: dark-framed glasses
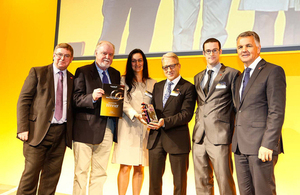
point(214, 51)
point(60, 55)
point(171, 66)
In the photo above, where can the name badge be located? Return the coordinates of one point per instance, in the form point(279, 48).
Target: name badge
point(175, 93)
point(221, 85)
point(148, 93)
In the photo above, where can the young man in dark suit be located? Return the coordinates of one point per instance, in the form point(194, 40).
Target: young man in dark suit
point(44, 117)
point(174, 103)
point(214, 123)
point(260, 96)
point(93, 134)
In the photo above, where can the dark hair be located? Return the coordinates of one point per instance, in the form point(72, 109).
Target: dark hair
point(129, 74)
point(65, 46)
point(250, 34)
point(211, 40)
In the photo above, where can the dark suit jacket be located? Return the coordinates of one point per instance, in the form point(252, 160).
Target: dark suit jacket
point(36, 104)
point(260, 112)
point(177, 112)
point(89, 126)
point(214, 114)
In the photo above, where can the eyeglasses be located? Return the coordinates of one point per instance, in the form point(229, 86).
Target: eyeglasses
point(60, 55)
point(171, 66)
point(135, 61)
point(209, 51)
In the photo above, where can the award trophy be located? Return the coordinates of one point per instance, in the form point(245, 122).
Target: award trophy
point(149, 113)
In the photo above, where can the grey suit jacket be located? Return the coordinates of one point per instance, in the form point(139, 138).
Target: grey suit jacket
point(177, 113)
point(36, 105)
point(214, 114)
point(260, 112)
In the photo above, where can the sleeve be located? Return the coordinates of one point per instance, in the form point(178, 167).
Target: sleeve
point(276, 97)
point(25, 101)
point(80, 98)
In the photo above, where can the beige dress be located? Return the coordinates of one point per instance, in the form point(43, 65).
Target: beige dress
point(132, 134)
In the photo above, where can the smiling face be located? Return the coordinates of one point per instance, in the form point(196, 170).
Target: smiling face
point(212, 53)
point(171, 73)
point(104, 55)
point(62, 58)
point(248, 50)
point(137, 63)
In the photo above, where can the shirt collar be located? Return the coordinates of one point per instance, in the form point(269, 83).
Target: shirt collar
point(216, 68)
point(175, 81)
point(56, 70)
point(254, 64)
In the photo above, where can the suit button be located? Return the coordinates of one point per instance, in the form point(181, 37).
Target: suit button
point(240, 111)
point(205, 116)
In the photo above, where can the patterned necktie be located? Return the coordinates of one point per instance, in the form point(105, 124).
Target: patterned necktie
point(104, 78)
point(167, 94)
point(206, 87)
point(59, 97)
point(246, 79)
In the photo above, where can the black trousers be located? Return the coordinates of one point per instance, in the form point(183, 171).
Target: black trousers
point(179, 166)
point(43, 162)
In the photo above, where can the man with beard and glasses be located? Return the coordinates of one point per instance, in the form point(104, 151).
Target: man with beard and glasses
point(93, 134)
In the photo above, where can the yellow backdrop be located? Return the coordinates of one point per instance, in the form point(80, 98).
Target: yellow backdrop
point(27, 39)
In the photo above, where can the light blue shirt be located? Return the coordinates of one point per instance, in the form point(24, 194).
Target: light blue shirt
point(100, 73)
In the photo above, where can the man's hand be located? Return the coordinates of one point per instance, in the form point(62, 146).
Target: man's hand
point(23, 136)
point(140, 118)
point(265, 154)
point(97, 93)
point(156, 126)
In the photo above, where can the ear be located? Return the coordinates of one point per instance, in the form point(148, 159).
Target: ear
point(203, 53)
point(220, 51)
point(258, 49)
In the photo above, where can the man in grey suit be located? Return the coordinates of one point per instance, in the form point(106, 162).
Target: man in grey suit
point(214, 123)
point(45, 120)
point(260, 96)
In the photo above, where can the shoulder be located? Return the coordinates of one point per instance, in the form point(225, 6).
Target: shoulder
point(150, 80)
point(182, 81)
point(113, 70)
point(199, 74)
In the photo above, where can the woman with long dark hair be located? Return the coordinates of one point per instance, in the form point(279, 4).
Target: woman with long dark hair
point(131, 149)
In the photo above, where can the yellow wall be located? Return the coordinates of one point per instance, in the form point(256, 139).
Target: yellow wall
point(27, 39)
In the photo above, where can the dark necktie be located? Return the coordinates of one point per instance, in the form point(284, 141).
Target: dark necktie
point(104, 78)
point(167, 94)
point(59, 97)
point(206, 87)
point(246, 79)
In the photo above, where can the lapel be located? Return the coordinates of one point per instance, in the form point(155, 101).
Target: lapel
point(94, 75)
point(199, 88)
point(50, 81)
point(237, 90)
point(160, 94)
point(112, 76)
point(176, 88)
point(253, 77)
point(219, 76)
point(70, 88)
